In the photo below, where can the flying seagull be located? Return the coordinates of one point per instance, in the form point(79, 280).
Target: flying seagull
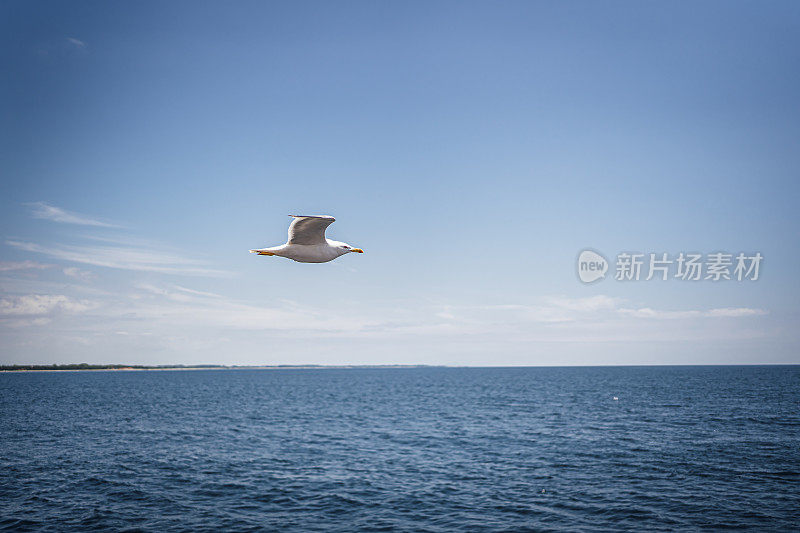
point(307, 242)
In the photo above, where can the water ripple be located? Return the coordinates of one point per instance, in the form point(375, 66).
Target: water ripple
point(537, 449)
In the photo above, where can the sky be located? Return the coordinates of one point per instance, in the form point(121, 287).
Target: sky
point(472, 149)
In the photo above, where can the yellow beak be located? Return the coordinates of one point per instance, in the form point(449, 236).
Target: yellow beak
point(357, 250)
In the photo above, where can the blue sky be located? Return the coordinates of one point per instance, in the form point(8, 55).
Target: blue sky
point(472, 149)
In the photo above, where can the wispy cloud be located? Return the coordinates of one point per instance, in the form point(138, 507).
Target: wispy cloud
point(32, 310)
point(180, 306)
point(556, 319)
point(591, 303)
point(77, 273)
point(146, 307)
point(119, 252)
point(592, 319)
point(76, 42)
point(121, 257)
point(175, 292)
point(726, 312)
point(602, 305)
point(46, 211)
point(7, 266)
point(186, 324)
point(735, 312)
point(41, 304)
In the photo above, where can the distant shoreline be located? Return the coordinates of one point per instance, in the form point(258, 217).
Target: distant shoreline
point(133, 368)
point(85, 367)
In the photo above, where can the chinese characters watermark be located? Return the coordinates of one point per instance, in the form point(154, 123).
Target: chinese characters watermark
point(717, 266)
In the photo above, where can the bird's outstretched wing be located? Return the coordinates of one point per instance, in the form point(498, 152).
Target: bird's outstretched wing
point(308, 229)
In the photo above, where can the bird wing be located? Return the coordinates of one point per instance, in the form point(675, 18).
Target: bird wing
point(308, 229)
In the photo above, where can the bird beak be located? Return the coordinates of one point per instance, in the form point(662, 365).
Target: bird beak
point(357, 250)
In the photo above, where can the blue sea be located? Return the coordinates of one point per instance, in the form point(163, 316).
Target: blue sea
point(416, 449)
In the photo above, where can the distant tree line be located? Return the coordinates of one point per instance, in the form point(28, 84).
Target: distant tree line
point(87, 366)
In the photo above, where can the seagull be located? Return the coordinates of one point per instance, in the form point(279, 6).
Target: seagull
point(307, 242)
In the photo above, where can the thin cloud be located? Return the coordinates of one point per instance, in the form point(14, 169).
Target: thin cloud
point(589, 303)
point(77, 273)
point(186, 320)
point(46, 211)
point(733, 312)
point(122, 258)
point(580, 314)
point(175, 292)
point(41, 304)
point(198, 293)
point(175, 306)
point(8, 266)
point(26, 322)
point(76, 42)
point(727, 312)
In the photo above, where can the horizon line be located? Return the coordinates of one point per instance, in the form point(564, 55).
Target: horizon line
point(100, 367)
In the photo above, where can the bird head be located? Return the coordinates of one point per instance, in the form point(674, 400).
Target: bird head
point(346, 249)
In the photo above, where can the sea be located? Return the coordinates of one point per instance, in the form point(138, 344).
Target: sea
point(692, 448)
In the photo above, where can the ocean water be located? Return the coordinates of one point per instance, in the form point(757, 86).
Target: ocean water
point(422, 449)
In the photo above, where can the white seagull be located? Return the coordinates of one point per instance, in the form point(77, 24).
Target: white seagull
point(307, 242)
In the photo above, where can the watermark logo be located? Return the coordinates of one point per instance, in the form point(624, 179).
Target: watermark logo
point(591, 266)
point(632, 266)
